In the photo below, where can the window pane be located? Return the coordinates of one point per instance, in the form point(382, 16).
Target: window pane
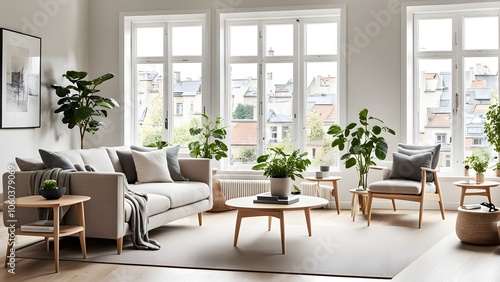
point(243, 40)
point(434, 105)
point(481, 33)
point(149, 41)
point(435, 35)
point(481, 87)
point(279, 39)
point(187, 91)
point(321, 111)
point(150, 102)
point(243, 115)
point(186, 41)
point(278, 113)
point(321, 39)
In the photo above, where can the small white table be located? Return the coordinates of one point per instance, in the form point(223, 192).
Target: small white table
point(247, 208)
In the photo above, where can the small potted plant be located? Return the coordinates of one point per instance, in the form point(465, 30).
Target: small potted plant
point(479, 164)
point(282, 168)
point(50, 191)
point(496, 168)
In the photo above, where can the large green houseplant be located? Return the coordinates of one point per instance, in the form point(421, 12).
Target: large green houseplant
point(363, 142)
point(492, 130)
point(279, 164)
point(80, 104)
point(209, 145)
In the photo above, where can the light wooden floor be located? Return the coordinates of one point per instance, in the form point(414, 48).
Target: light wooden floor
point(448, 260)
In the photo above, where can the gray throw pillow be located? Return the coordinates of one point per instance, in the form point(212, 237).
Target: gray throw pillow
point(172, 160)
point(30, 164)
point(435, 149)
point(55, 160)
point(408, 167)
point(128, 165)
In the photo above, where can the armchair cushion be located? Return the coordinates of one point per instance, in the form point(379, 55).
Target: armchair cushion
point(401, 186)
point(408, 167)
point(417, 149)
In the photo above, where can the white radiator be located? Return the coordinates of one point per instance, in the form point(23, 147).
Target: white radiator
point(235, 188)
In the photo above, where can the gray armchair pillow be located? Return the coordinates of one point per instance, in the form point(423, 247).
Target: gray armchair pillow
point(409, 167)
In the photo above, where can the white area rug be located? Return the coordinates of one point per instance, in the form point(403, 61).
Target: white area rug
point(350, 249)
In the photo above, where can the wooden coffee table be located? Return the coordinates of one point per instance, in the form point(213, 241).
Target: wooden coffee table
point(247, 208)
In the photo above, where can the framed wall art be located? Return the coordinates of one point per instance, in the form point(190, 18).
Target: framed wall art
point(20, 80)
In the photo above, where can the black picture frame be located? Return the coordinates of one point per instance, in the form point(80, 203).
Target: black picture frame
point(20, 80)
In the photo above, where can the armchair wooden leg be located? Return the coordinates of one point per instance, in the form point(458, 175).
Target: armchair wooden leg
point(420, 214)
point(119, 245)
point(200, 218)
point(370, 198)
point(393, 204)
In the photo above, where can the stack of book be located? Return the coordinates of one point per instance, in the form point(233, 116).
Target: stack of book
point(39, 226)
point(267, 198)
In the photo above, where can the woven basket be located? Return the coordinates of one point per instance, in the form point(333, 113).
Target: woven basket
point(218, 198)
point(478, 228)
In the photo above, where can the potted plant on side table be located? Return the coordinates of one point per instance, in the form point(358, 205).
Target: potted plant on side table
point(50, 191)
point(479, 164)
point(363, 142)
point(282, 168)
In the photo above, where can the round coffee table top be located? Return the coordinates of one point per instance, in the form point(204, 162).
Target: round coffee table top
point(304, 202)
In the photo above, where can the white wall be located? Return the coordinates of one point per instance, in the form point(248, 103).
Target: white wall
point(63, 27)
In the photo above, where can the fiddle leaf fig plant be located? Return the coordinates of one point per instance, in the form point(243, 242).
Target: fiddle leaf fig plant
point(209, 145)
point(363, 142)
point(80, 104)
point(492, 130)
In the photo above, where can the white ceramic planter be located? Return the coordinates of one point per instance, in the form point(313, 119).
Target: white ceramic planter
point(281, 186)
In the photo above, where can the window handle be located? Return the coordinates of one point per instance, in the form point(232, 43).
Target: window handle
point(455, 109)
point(166, 123)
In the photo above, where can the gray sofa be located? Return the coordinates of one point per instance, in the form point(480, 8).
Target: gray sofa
point(107, 213)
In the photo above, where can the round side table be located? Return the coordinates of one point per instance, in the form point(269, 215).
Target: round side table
point(478, 189)
point(478, 227)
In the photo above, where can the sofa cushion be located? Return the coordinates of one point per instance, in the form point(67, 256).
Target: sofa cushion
point(398, 186)
point(99, 158)
point(151, 166)
point(74, 156)
point(30, 164)
point(156, 204)
point(180, 193)
point(55, 160)
point(408, 167)
point(172, 160)
point(127, 165)
point(114, 157)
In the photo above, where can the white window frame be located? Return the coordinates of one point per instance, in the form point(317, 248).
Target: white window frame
point(299, 120)
point(128, 61)
point(409, 126)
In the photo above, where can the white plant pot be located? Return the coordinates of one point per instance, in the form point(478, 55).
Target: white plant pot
point(281, 186)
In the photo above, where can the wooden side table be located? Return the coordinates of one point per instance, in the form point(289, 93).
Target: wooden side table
point(335, 190)
point(480, 189)
point(59, 230)
point(358, 202)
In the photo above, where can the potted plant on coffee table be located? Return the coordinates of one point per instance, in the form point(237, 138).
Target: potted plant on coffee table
point(50, 190)
point(282, 168)
point(363, 142)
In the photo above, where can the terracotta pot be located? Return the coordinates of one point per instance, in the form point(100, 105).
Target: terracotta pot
point(497, 173)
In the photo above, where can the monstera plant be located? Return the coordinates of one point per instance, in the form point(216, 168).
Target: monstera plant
point(80, 103)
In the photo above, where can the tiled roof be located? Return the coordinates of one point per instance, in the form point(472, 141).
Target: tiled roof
point(440, 121)
point(244, 133)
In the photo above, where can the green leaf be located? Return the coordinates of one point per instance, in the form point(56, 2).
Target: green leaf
point(103, 78)
point(350, 163)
